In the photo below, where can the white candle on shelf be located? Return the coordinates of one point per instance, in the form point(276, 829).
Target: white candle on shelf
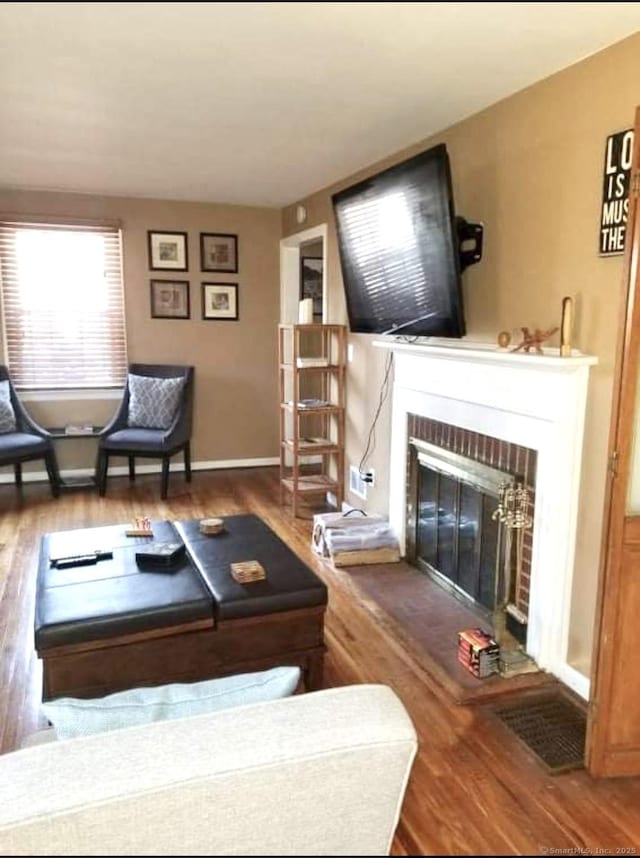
point(305, 312)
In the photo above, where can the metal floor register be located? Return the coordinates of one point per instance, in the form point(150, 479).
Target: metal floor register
point(551, 726)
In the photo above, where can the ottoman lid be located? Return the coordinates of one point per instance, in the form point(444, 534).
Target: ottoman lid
point(114, 596)
point(289, 583)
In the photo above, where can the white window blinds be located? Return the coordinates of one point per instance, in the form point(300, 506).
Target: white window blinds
point(62, 305)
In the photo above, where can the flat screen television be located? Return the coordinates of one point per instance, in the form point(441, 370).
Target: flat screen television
point(400, 249)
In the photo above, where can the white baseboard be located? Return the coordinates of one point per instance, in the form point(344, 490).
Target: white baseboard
point(576, 680)
point(123, 470)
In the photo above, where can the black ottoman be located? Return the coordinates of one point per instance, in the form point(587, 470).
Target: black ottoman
point(111, 625)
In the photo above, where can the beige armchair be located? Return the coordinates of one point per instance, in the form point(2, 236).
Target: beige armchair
point(322, 773)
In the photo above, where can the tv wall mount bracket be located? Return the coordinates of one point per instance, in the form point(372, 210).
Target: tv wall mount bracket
point(470, 237)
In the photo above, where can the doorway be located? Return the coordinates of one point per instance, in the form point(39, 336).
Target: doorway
point(303, 273)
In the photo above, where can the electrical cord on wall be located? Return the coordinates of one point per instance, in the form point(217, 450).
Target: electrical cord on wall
point(384, 392)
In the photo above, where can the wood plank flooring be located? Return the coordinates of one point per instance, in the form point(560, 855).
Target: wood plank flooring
point(474, 788)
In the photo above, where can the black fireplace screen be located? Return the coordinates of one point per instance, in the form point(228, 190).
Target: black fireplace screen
point(456, 536)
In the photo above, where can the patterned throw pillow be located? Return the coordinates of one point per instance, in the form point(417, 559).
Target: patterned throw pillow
point(153, 401)
point(7, 415)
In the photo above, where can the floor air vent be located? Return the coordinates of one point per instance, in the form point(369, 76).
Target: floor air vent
point(551, 726)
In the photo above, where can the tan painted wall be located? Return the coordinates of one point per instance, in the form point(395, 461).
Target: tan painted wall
point(530, 168)
point(312, 248)
point(236, 380)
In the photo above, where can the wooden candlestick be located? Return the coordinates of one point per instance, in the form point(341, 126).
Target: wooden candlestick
point(565, 327)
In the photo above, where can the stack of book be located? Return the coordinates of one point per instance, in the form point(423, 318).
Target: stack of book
point(311, 403)
point(78, 429)
point(478, 652)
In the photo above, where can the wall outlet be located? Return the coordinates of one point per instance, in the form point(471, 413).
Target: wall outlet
point(356, 484)
point(369, 477)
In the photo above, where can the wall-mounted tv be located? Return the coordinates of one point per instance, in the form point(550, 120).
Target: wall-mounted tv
point(400, 249)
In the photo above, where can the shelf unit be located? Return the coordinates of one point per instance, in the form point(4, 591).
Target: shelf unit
point(312, 368)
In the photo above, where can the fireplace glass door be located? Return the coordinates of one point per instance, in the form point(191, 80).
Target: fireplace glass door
point(456, 536)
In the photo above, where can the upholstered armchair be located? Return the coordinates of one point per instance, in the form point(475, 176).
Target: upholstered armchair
point(21, 439)
point(323, 773)
point(153, 421)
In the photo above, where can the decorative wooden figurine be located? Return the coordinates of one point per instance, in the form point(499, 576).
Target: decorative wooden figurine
point(140, 526)
point(534, 340)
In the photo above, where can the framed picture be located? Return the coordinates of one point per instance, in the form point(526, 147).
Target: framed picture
point(169, 299)
point(311, 283)
point(220, 301)
point(168, 251)
point(218, 252)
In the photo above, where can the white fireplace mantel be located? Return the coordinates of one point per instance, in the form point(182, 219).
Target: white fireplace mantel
point(488, 353)
point(535, 400)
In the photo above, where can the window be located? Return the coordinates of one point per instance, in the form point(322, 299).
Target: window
point(62, 305)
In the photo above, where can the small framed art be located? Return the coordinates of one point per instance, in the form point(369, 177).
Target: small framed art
point(220, 301)
point(169, 299)
point(311, 283)
point(218, 252)
point(168, 251)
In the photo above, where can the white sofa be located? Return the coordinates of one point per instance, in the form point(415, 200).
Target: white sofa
point(322, 773)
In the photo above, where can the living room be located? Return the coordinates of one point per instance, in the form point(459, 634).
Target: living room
point(527, 162)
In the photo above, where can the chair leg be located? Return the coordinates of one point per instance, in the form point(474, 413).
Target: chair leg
point(103, 465)
point(18, 472)
point(165, 477)
point(132, 469)
point(53, 472)
point(96, 472)
point(187, 461)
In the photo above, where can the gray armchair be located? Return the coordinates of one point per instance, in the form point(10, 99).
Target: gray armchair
point(27, 442)
point(131, 435)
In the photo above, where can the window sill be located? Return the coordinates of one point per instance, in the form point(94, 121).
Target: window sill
point(65, 395)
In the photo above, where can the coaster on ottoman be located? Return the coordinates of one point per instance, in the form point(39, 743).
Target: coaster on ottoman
point(211, 526)
point(248, 571)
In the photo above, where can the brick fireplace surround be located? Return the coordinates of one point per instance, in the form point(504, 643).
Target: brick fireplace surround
point(534, 401)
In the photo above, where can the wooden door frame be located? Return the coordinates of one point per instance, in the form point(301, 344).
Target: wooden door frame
point(600, 756)
point(290, 272)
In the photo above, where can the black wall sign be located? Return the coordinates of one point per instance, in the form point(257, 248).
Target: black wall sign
point(615, 192)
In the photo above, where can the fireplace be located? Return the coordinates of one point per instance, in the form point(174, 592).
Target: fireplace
point(524, 413)
point(452, 533)
point(457, 484)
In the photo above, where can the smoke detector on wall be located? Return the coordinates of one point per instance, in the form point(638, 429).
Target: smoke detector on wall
point(301, 214)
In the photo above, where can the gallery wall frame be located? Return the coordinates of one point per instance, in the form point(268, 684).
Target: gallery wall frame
point(168, 251)
point(169, 299)
point(220, 302)
point(219, 252)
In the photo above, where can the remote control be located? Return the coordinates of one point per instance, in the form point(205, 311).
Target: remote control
point(79, 560)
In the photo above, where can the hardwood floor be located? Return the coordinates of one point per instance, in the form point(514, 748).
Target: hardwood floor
point(474, 788)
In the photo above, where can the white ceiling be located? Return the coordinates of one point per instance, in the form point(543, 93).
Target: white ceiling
point(260, 103)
